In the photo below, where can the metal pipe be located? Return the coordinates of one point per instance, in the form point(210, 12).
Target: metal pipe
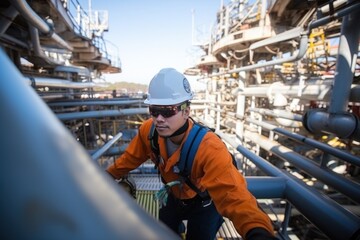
point(266, 187)
point(341, 184)
point(343, 155)
point(106, 146)
point(15, 40)
point(317, 91)
point(60, 83)
point(35, 40)
point(36, 21)
point(282, 114)
point(95, 102)
point(69, 197)
point(346, 63)
point(339, 224)
point(300, 53)
point(112, 151)
point(344, 125)
point(338, 14)
point(336, 3)
point(284, 36)
point(104, 113)
point(7, 17)
point(303, 42)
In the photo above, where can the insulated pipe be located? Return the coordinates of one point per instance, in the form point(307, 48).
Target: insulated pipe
point(52, 189)
point(106, 146)
point(290, 34)
point(341, 184)
point(60, 83)
point(311, 91)
point(104, 113)
point(95, 103)
point(343, 155)
point(283, 117)
point(301, 52)
point(36, 21)
point(278, 114)
point(339, 224)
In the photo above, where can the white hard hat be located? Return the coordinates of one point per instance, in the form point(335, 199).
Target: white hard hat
point(168, 87)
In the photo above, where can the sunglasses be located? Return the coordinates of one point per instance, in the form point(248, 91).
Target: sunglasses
point(166, 111)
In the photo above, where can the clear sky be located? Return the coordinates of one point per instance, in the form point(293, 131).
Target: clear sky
point(153, 34)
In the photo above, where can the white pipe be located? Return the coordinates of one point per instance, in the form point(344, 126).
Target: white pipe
point(53, 82)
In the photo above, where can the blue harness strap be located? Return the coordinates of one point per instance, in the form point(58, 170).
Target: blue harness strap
point(190, 148)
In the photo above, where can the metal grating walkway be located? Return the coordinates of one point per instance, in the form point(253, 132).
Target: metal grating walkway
point(148, 184)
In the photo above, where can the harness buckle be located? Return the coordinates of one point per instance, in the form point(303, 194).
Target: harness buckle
point(206, 203)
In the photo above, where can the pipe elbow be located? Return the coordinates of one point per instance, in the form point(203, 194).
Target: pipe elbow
point(344, 125)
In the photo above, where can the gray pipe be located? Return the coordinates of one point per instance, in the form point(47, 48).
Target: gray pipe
point(343, 155)
point(60, 83)
point(266, 187)
point(104, 113)
point(9, 15)
point(342, 125)
point(338, 14)
point(106, 146)
point(281, 114)
point(331, 218)
point(346, 63)
point(35, 40)
point(284, 36)
point(95, 102)
point(38, 22)
point(317, 91)
point(341, 184)
point(337, 120)
point(52, 189)
point(301, 52)
point(113, 151)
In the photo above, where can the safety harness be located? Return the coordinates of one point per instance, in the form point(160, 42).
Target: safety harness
point(184, 165)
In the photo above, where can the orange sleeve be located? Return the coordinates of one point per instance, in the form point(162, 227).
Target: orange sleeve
point(137, 152)
point(227, 187)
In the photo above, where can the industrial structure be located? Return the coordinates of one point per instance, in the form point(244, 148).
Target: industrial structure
point(282, 91)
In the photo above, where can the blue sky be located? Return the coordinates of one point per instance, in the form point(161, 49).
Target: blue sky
point(151, 35)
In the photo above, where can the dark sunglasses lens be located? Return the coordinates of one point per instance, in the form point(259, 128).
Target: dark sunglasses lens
point(163, 111)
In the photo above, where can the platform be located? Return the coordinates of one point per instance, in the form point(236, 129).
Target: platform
point(148, 184)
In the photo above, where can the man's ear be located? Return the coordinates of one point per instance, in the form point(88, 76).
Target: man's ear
point(187, 112)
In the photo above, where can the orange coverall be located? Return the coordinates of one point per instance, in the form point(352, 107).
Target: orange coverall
point(212, 170)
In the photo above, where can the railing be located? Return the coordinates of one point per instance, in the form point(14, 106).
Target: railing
point(92, 27)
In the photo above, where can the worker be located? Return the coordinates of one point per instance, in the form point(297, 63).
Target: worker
point(212, 170)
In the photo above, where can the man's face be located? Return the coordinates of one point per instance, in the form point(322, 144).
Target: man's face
point(168, 119)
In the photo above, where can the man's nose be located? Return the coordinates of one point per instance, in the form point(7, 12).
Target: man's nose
point(160, 118)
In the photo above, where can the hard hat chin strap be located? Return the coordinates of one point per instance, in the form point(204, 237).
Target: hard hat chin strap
point(181, 130)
